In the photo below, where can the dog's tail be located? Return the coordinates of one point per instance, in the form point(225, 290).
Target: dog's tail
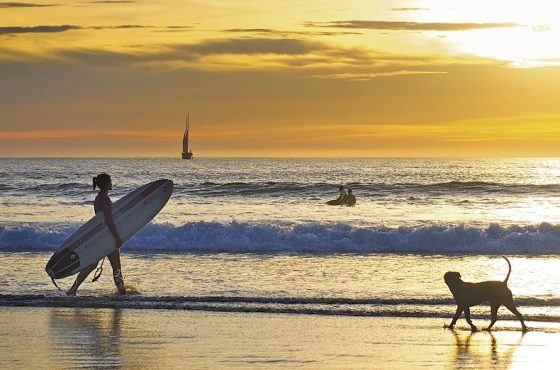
point(509, 272)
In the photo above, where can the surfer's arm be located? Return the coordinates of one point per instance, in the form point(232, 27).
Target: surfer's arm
point(108, 213)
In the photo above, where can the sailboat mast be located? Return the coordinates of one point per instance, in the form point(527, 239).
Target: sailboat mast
point(187, 154)
point(188, 128)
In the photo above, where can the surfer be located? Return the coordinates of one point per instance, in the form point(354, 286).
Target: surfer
point(341, 198)
point(103, 204)
point(351, 199)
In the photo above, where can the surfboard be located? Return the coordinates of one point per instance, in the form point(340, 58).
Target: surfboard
point(93, 240)
point(334, 202)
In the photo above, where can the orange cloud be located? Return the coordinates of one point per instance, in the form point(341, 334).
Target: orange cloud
point(68, 134)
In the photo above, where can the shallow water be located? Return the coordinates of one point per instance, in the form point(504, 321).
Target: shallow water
point(349, 285)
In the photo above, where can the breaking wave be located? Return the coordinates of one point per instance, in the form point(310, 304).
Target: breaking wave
point(312, 238)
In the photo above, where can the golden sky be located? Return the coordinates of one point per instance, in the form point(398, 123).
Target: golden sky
point(280, 78)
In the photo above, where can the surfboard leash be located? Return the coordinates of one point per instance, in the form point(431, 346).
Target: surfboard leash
point(56, 285)
point(96, 276)
point(98, 271)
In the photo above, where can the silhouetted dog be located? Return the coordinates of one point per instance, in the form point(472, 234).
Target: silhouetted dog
point(470, 294)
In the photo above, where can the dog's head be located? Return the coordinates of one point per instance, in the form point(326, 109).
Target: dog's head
point(452, 278)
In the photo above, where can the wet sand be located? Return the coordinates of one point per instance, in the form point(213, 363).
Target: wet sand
point(38, 337)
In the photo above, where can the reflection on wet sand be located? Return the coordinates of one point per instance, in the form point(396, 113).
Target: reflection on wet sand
point(87, 337)
point(98, 338)
point(485, 349)
point(54, 338)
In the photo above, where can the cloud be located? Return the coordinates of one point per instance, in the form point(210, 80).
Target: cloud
point(253, 30)
point(67, 27)
point(303, 53)
point(122, 26)
point(113, 1)
point(100, 58)
point(253, 46)
point(408, 9)
point(234, 53)
point(138, 26)
point(262, 53)
point(37, 29)
point(76, 133)
point(177, 28)
point(536, 63)
point(371, 76)
point(541, 28)
point(24, 5)
point(269, 31)
point(410, 26)
point(167, 54)
point(251, 53)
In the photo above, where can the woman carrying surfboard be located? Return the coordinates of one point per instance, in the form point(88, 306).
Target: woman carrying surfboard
point(103, 204)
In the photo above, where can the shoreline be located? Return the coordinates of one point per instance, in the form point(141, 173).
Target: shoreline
point(369, 308)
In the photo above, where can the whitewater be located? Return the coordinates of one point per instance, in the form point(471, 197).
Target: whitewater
point(315, 238)
point(255, 234)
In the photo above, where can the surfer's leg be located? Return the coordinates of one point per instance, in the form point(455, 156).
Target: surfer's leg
point(115, 259)
point(80, 279)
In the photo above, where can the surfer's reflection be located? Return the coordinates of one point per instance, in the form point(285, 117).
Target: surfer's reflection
point(483, 350)
point(87, 337)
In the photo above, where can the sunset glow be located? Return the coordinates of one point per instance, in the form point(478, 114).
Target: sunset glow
point(366, 78)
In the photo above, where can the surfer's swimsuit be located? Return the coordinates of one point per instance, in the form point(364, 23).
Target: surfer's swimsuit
point(103, 204)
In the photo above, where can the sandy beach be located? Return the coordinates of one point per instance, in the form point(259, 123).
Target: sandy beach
point(170, 339)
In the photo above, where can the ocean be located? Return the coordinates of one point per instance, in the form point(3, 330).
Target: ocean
point(255, 234)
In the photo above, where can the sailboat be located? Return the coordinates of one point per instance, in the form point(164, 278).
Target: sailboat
point(187, 153)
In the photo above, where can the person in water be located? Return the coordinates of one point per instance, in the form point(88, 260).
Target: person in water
point(103, 204)
point(342, 197)
point(351, 199)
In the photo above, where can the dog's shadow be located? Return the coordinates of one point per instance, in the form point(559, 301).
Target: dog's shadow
point(480, 349)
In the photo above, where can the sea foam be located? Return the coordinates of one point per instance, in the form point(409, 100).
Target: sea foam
point(312, 238)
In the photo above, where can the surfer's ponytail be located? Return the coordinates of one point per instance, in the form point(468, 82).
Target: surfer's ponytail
point(101, 180)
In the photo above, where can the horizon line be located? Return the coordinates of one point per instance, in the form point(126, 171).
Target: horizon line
point(285, 157)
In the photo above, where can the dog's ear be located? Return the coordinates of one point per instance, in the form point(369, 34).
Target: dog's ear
point(459, 274)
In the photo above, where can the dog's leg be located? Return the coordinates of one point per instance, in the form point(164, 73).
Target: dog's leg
point(510, 306)
point(494, 311)
point(468, 318)
point(458, 313)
